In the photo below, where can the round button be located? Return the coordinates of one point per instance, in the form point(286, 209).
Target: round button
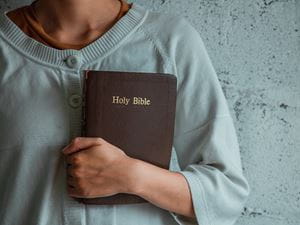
point(75, 100)
point(72, 61)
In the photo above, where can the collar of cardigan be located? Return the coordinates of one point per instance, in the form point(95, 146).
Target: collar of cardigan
point(126, 25)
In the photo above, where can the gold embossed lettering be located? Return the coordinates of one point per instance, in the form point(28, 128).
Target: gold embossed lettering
point(118, 100)
point(141, 101)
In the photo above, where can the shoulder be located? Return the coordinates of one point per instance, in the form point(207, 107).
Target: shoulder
point(170, 26)
point(174, 36)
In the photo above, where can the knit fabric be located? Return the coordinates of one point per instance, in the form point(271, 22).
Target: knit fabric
point(40, 113)
point(25, 18)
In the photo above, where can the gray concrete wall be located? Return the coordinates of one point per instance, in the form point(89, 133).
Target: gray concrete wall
point(255, 48)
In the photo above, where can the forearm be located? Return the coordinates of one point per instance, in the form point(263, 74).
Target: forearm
point(163, 188)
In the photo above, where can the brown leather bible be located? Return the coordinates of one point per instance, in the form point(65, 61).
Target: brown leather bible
point(134, 111)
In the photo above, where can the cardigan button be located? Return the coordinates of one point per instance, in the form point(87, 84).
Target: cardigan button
point(75, 100)
point(72, 61)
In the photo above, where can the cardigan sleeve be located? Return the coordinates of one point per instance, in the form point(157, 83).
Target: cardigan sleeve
point(205, 139)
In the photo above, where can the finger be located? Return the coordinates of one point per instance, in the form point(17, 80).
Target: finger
point(72, 181)
point(74, 171)
point(67, 146)
point(73, 192)
point(69, 159)
point(70, 171)
point(80, 143)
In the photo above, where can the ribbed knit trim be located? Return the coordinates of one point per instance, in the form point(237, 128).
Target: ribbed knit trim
point(123, 27)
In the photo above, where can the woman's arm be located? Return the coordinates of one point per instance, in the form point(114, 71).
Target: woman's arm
point(99, 168)
point(205, 142)
point(164, 188)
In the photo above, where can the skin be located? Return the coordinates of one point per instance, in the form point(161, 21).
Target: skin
point(73, 22)
point(97, 167)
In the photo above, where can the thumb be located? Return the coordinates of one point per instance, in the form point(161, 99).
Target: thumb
point(80, 143)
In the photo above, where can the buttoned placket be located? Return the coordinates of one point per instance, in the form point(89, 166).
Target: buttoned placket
point(69, 62)
point(74, 212)
point(73, 61)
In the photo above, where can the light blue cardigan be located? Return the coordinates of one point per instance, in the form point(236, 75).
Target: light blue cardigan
point(40, 89)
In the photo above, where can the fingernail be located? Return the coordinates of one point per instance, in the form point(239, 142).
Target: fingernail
point(63, 150)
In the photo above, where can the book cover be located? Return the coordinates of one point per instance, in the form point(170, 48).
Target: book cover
point(134, 111)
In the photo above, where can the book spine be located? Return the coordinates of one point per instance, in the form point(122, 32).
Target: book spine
point(83, 120)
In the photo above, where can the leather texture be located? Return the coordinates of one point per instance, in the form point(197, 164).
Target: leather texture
point(143, 131)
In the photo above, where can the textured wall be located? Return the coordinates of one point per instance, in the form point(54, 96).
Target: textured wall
point(255, 48)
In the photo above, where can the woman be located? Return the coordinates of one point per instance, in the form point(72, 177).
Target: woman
point(44, 49)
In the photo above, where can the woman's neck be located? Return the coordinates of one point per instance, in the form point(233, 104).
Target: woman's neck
point(70, 19)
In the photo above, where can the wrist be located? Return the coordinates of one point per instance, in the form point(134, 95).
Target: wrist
point(131, 179)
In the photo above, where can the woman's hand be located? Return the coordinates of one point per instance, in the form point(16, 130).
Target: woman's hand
point(100, 169)
point(97, 168)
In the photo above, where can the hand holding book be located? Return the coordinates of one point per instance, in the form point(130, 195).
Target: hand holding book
point(134, 111)
point(100, 169)
point(97, 168)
